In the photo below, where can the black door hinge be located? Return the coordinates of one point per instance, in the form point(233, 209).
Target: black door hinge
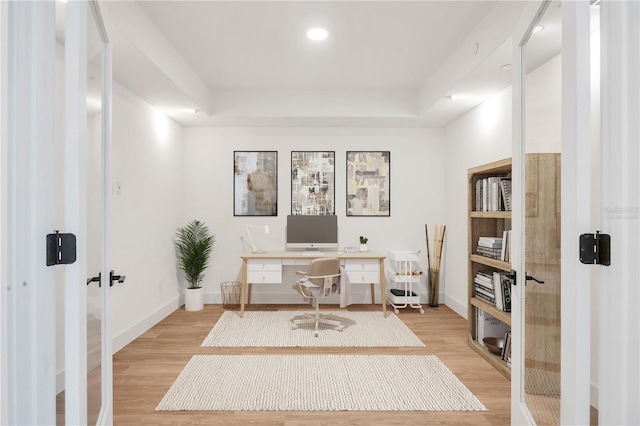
point(595, 249)
point(61, 249)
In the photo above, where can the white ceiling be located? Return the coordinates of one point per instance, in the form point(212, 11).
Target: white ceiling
point(248, 63)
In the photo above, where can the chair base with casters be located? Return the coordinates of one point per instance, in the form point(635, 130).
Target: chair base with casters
point(318, 283)
point(317, 319)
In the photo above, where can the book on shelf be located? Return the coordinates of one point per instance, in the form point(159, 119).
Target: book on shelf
point(486, 294)
point(486, 277)
point(505, 190)
point(493, 288)
point(485, 194)
point(486, 299)
point(498, 291)
point(493, 194)
point(506, 348)
point(488, 245)
point(505, 285)
point(484, 281)
point(492, 253)
point(505, 253)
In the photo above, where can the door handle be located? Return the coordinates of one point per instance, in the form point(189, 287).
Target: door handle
point(113, 277)
point(532, 278)
point(95, 279)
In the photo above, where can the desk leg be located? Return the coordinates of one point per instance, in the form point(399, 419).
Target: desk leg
point(373, 294)
point(383, 291)
point(243, 288)
point(250, 287)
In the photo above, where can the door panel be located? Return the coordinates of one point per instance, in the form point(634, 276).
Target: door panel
point(542, 210)
point(552, 147)
point(87, 348)
point(95, 210)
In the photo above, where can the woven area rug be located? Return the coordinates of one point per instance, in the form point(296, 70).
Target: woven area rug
point(273, 329)
point(318, 383)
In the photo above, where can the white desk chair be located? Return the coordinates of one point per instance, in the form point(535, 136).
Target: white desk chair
point(321, 281)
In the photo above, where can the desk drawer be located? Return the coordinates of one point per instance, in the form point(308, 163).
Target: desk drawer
point(260, 277)
point(362, 265)
point(296, 262)
point(264, 265)
point(364, 277)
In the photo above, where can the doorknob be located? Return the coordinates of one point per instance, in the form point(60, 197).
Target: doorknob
point(113, 277)
point(95, 279)
point(532, 278)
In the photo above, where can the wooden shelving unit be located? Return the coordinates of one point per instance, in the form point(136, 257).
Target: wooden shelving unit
point(485, 224)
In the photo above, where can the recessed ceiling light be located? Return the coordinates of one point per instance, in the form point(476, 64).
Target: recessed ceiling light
point(506, 67)
point(317, 33)
point(454, 97)
point(538, 28)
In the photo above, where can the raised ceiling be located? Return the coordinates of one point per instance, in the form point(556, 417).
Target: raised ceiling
point(248, 63)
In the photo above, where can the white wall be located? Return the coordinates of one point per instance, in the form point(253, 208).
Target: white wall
point(418, 185)
point(146, 160)
point(481, 136)
point(484, 135)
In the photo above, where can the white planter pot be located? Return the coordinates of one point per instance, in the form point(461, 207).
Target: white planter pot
point(363, 247)
point(194, 299)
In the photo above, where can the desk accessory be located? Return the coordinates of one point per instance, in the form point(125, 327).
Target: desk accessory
point(253, 246)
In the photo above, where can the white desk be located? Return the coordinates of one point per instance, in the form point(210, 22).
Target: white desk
point(266, 268)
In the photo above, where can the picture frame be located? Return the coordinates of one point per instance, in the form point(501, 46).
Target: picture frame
point(255, 183)
point(312, 182)
point(368, 183)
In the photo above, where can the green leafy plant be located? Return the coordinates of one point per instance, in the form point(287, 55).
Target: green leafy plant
point(193, 246)
point(363, 240)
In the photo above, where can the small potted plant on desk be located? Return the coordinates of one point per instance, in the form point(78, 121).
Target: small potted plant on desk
point(193, 248)
point(363, 243)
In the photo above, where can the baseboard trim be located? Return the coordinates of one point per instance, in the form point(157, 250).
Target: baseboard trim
point(135, 331)
point(456, 306)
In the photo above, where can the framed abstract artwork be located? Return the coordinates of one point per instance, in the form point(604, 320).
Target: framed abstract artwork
point(312, 182)
point(255, 183)
point(368, 183)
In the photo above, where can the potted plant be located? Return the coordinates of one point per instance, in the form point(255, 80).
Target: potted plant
point(193, 246)
point(363, 243)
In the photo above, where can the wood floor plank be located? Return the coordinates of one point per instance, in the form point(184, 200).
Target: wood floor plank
point(144, 370)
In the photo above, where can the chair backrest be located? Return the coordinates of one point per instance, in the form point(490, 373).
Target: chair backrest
point(324, 266)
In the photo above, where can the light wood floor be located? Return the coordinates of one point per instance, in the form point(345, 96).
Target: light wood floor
point(144, 370)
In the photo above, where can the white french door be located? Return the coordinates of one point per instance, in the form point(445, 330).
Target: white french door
point(553, 174)
point(600, 191)
point(88, 376)
point(41, 187)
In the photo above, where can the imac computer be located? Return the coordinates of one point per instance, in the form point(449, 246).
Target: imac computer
point(312, 233)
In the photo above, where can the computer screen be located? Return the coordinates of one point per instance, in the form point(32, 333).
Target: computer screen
point(312, 232)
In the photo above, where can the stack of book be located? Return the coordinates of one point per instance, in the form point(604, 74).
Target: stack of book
point(493, 288)
point(490, 247)
point(493, 194)
point(483, 287)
